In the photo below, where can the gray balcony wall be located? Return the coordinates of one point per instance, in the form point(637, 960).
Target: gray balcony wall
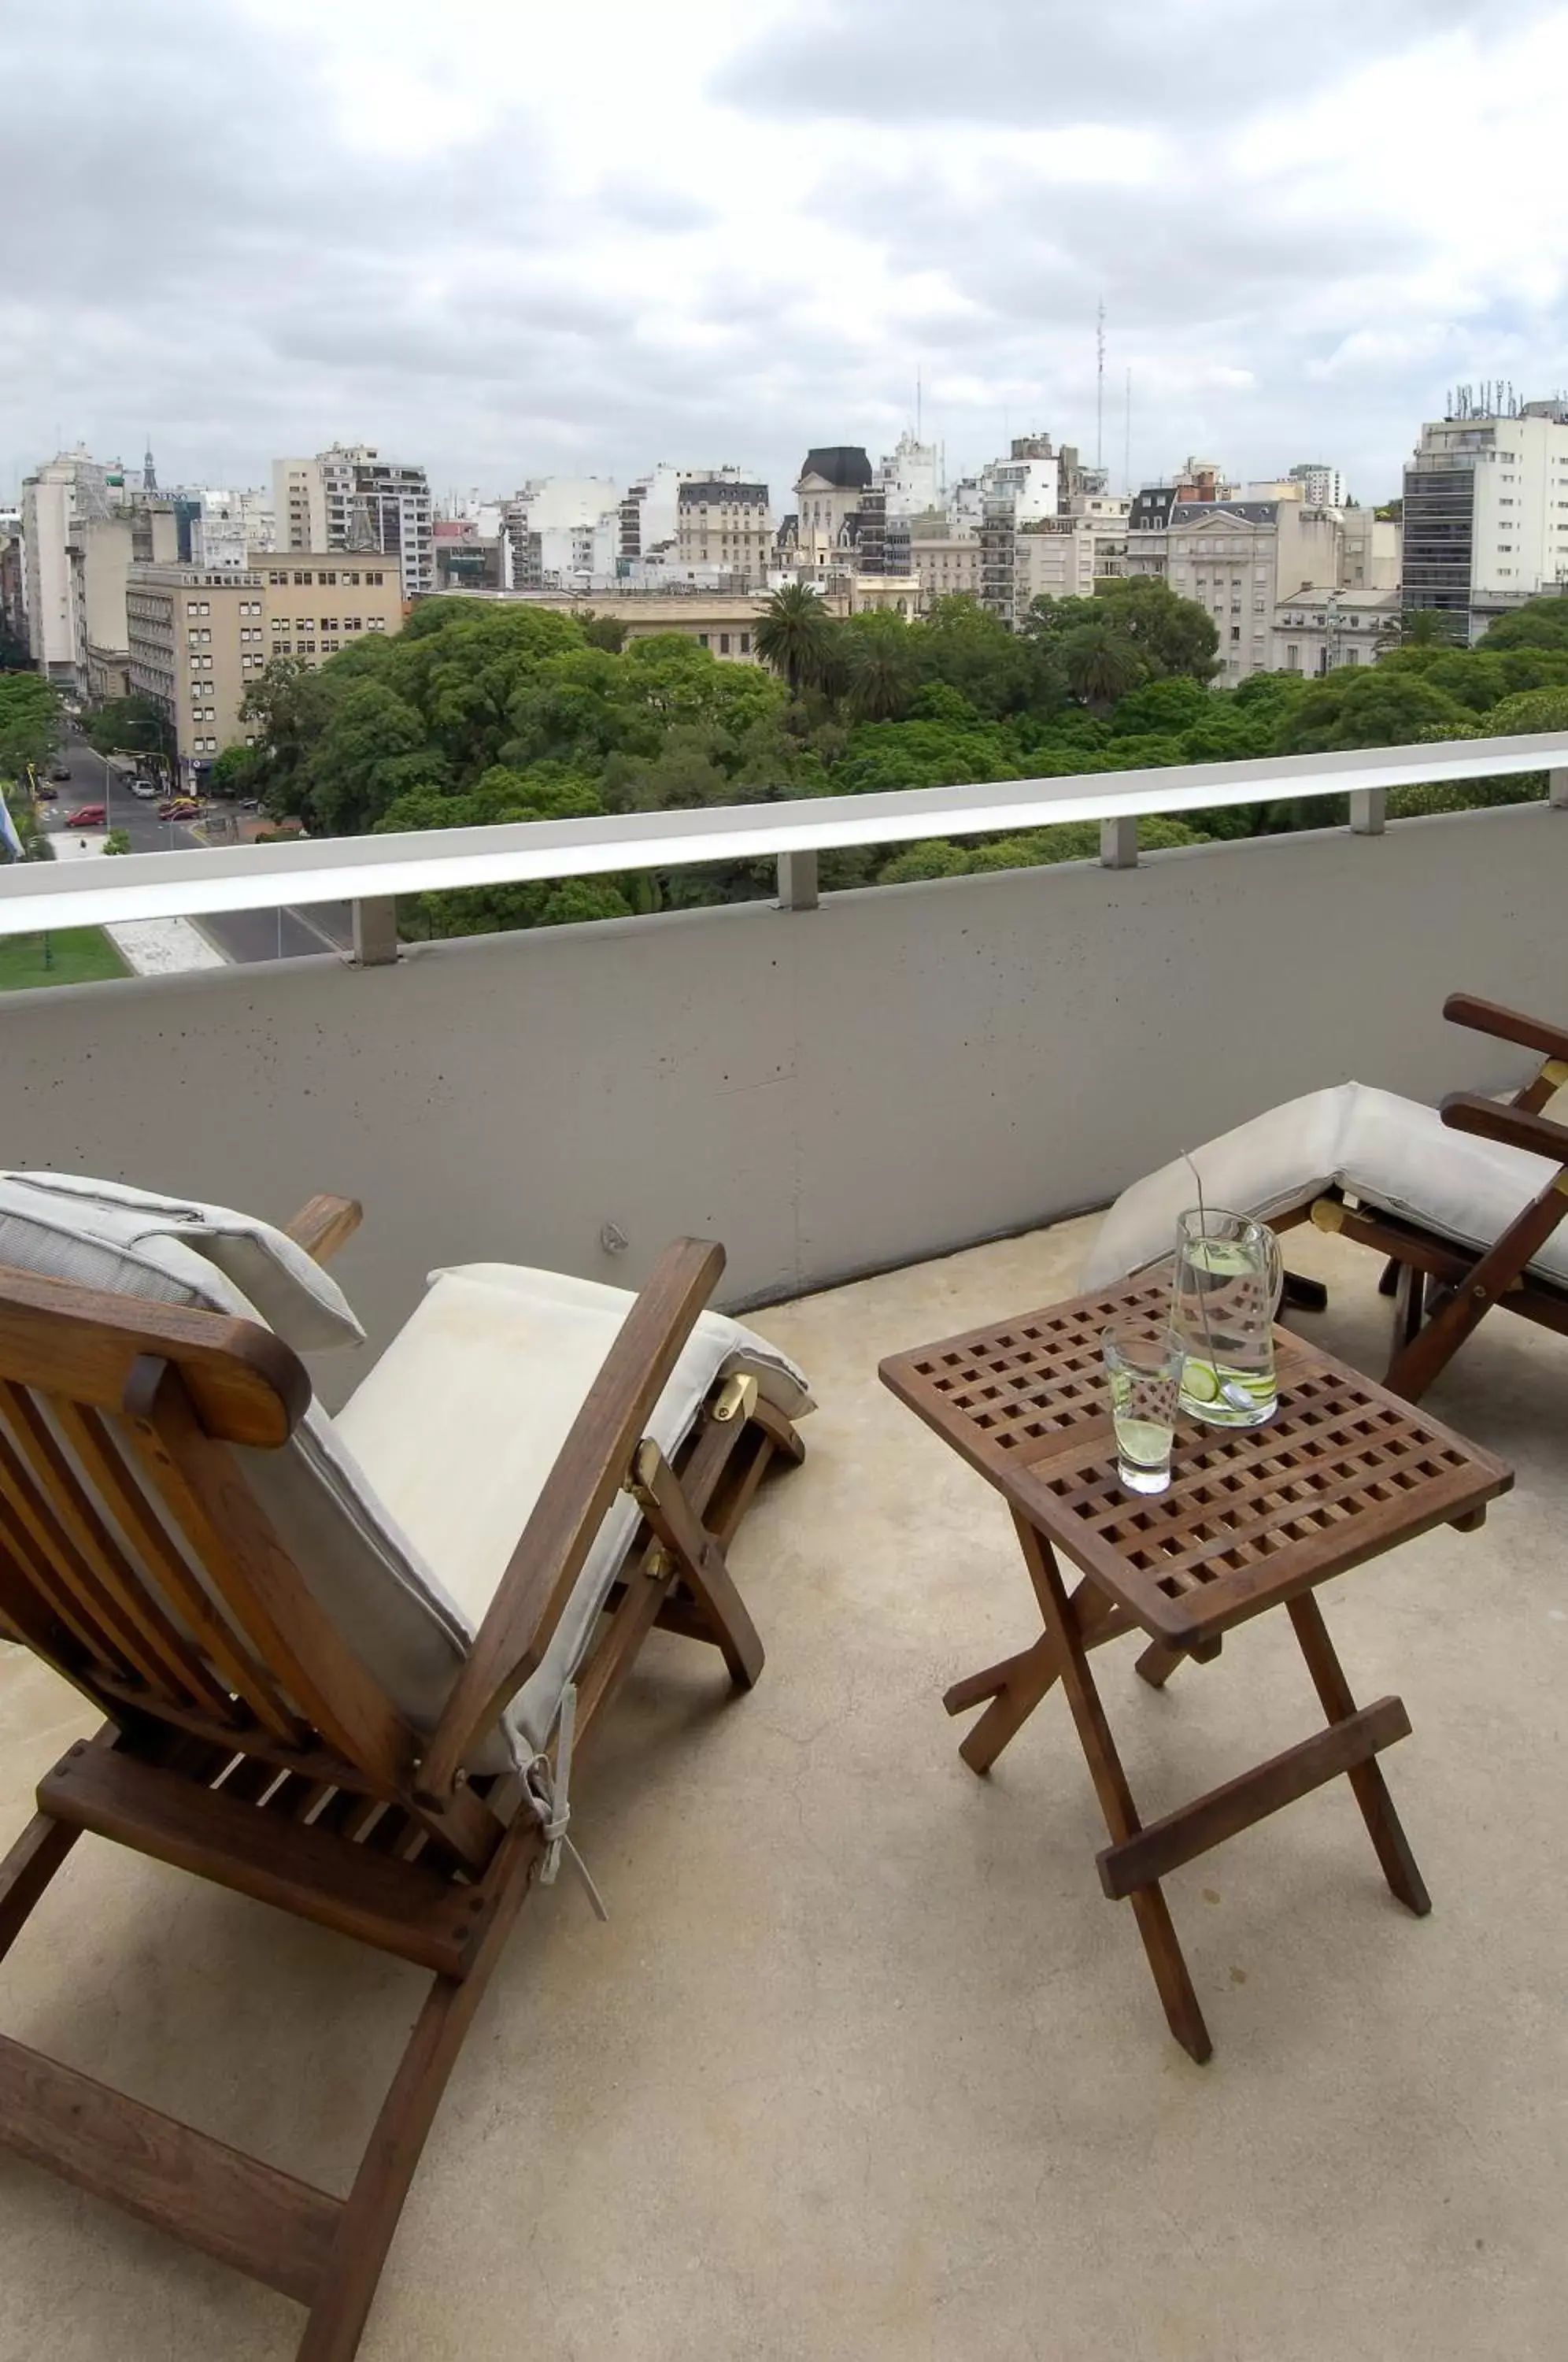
point(897, 1073)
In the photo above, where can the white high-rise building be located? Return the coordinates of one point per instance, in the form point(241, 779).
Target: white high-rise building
point(350, 498)
point(910, 476)
point(54, 500)
point(228, 525)
point(650, 514)
point(565, 532)
point(1485, 510)
point(1322, 487)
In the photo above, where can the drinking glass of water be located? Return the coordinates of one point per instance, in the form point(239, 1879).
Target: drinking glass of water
point(1142, 1363)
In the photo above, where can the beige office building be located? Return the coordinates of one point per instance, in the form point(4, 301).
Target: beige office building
point(943, 561)
point(199, 637)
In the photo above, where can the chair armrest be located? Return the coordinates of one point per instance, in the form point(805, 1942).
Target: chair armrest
point(323, 1223)
point(1505, 1024)
point(1492, 1119)
point(592, 1467)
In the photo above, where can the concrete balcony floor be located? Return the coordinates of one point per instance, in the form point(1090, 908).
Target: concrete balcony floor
point(864, 2068)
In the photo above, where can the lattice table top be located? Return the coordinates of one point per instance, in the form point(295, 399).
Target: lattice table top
point(1254, 1515)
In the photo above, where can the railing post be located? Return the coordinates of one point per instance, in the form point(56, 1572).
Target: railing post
point(375, 931)
point(1368, 811)
point(1119, 843)
point(1557, 790)
point(797, 881)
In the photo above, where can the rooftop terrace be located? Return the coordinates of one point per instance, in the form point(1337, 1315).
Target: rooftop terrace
point(864, 2064)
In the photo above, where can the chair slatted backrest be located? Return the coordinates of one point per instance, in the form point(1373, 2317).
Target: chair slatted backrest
point(134, 1556)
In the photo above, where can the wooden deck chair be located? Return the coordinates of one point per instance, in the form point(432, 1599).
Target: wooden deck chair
point(269, 1607)
point(1465, 1202)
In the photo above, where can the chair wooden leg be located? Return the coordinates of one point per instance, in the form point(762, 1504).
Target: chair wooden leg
point(27, 1871)
point(1410, 1306)
point(1149, 1907)
point(370, 2212)
point(1367, 1784)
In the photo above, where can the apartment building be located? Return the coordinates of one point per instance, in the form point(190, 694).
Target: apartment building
point(200, 636)
point(350, 498)
point(909, 475)
point(724, 520)
point(1485, 510)
point(228, 525)
point(1240, 559)
point(943, 562)
point(1053, 558)
point(1371, 550)
point(100, 554)
point(54, 500)
point(1319, 631)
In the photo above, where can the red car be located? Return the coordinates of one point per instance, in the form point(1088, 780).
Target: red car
point(90, 816)
point(182, 808)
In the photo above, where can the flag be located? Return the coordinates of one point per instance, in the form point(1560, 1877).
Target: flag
point(8, 836)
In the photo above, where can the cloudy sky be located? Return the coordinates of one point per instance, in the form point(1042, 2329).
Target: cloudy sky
point(505, 237)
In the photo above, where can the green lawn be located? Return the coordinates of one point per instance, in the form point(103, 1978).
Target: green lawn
point(76, 955)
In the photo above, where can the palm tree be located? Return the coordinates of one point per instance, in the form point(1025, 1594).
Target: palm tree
point(881, 680)
point(794, 635)
point(1100, 665)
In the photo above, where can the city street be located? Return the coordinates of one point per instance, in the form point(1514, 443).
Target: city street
point(239, 935)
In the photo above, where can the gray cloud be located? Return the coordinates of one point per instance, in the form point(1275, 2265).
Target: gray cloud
point(1043, 62)
point(212, 258)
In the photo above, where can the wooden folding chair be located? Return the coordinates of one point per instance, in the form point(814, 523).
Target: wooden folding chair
point(247, 1742)
point(1442, 1291)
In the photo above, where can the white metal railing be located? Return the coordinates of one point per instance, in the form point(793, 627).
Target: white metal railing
point(370, 870)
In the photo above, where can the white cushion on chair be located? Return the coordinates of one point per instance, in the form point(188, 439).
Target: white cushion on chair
point(1392, 1152)
point(457, 1426)
point(464, 1416)
point(131, 1242)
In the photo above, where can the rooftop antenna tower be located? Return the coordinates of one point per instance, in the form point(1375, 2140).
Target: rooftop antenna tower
point(1127, 440)
point(917, 401)
point(1099, 386)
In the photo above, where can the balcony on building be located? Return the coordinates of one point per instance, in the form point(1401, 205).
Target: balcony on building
point(864, 2065)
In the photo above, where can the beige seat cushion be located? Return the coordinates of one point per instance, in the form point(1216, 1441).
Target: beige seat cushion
point(1391, 1152)
point(462, 1419)
point(458, 1422)
point(134, 1243)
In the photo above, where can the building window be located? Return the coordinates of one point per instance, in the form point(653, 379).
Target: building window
point(1235, 630)
point(746, 637)
point(190, 607)
point(301, 578)
point(702, 639)
point(723, 643)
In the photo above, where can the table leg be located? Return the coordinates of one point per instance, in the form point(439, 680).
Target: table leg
point(1159, 1660)
point(1016, 1686)
point(1149, 1907)
point(1367, 1784)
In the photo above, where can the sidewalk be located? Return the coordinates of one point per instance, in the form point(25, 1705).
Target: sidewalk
point(149, 946)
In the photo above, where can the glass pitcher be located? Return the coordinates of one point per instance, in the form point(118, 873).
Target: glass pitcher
point(1226, 1285)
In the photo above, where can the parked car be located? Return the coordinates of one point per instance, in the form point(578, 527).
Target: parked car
point(249, 803)
point(45, 793)
point(90, 816)
point(145, 790)
point(60, 771)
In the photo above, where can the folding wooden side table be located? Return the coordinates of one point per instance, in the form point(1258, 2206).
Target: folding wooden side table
point(1255, 1519)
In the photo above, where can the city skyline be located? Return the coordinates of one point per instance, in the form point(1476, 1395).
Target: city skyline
point(500, 247)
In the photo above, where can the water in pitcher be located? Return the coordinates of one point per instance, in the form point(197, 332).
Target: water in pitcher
point(1227, 1283)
